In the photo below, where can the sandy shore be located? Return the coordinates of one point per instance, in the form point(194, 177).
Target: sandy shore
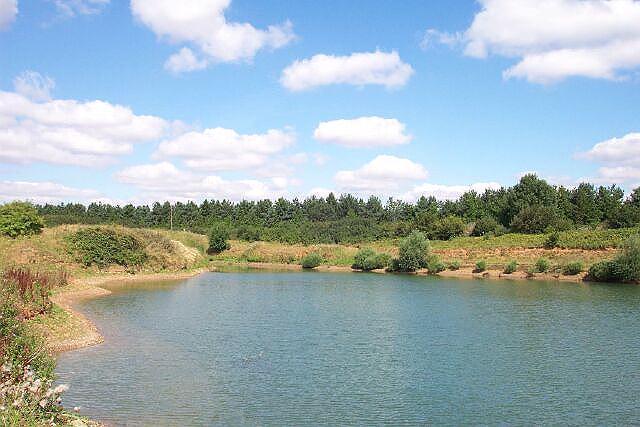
point(77, 331)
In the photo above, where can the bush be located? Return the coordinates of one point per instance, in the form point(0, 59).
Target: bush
point(447, 228)
point(552, 240)
point(629, 257)
point(608, 271)
point(511, 267)
point(412, 253)
point(434, 265)
point(367, 260)
point(311, 260)
point(481, 266)
point(542, 265)
point(20, 219)
point(106, 246)
point(454, 265)
point(218, 239)
point(485, 226)
point(573, 268)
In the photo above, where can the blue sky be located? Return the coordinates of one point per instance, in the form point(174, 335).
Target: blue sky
point(413, 97)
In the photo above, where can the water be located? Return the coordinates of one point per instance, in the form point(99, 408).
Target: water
point(360, 349)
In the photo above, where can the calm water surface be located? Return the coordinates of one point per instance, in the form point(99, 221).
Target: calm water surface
point(360, 349)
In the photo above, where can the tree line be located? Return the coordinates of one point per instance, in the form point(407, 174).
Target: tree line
point(530, 206)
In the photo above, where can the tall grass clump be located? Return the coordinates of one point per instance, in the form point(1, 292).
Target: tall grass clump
point(480, 266)
point(367, 259)
point(31, 289)
point(511, 267)
point(103, 246)
point(542, 265)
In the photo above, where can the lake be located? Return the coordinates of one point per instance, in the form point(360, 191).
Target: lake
point(307, 348)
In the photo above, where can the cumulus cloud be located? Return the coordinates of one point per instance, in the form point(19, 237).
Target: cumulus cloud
point(162, 181)
point(364, 132)
point(34, 85)
point(43, 192)
point(447, 192)
point(71, 8)
point(384, 174)
point(70, 132)
point(202, 24)
point(184, 60)
point(358, 69)
point(555, 39)
point(221, 149)
point(621, 157)
point(8, 12)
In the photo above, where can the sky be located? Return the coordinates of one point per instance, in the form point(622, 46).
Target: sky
point(136, 101)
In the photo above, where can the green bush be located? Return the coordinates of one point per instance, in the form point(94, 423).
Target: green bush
point(454, 265)
point(20, 219)
point(434, 265)
point(447, 228)
point(609, 271)
point(367, 259)
point(311, 260)
point(106, 246)
point(552, 240)
point(412, 253)
point(485, 226)
point(218, 239)
point(511, 267)
point(629, 257)
point(573, 268)
point(481, 266)
point(542, 265)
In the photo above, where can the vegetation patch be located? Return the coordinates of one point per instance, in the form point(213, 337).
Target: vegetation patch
point(102, 246)
point(367, 260)
point(20, 219)
point(311, 260)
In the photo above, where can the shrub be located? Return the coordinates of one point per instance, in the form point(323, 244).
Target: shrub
point(218, 239)
point(481, 266)
point(608, 271)
point(434, 265)
point(106, 246)
point(542, 265)
point(447, 228)
point(573, 268)
point(367, 260)
point(412, 253)
point(629, 257)
point(552, 240)
point(454, 265)
point(20, 219)
point(311, 260)
point(511, 267)
point(485, 226)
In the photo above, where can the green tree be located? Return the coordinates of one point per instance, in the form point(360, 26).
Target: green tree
point(218, 239)
point(447, 228)
point(20, 219)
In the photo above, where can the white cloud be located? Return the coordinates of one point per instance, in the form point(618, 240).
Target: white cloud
point(163, 181)
point(363, 132)
point(34, 85)
point(359, 69)
point(625, 150)
point(8, 12)
point(202, 24)
point(319, 192)
point(221, 149)
point(71, 8)
point(557, 39)
point(184, 60)
point(447, 192)
point(43, 192)
point(70, 132)
point(384, 174)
